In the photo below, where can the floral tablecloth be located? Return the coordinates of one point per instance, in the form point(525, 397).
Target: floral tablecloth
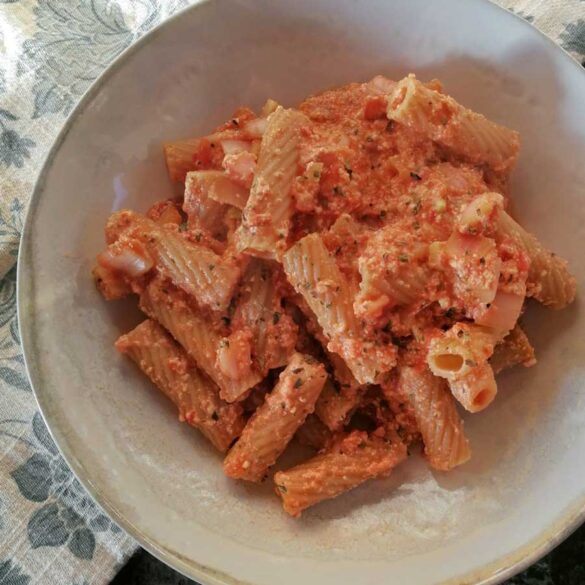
point(51, 532)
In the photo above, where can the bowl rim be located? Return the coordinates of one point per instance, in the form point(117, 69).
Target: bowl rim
point(491, 573)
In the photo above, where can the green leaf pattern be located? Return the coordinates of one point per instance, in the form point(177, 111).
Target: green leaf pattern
point(69, 45)
point(12, 574)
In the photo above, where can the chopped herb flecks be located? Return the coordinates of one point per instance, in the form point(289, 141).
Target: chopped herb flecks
point(450, 313)
point(400, 342)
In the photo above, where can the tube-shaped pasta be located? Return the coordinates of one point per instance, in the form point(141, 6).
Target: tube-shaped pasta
point(474, 267)
point(266, 217)
point(218, 187)
point(442, 119)
point(514, 350)
point(194, 268)
point(478, 216)
point(350, 462)
point(340, 397)
point(436, 416)
point(315, 275)
point(203, 212)
point(394, 270)
point(180, 156)
point(313, 433)
point(195, 396)
point(476, 389)
point(167, 211)
point(167, 305)
point(502, 314)
point(460, 355)
point(336, 403)
point(338, 275)
point(260, 310)
point(549, 280)
point(276, 421)
point(341, 394)
point(110, 283)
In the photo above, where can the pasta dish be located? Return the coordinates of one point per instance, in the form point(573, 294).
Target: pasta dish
point(348, 274)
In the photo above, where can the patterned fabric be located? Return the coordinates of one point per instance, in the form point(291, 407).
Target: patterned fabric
point(51, 531)
point(50, 51)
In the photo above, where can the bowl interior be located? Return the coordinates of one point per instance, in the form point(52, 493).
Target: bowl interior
point(159, 479)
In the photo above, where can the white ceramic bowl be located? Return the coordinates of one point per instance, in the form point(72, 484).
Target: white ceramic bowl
point(525, 487)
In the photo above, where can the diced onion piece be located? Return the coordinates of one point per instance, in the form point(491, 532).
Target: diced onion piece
point(437, 254)
point(313, 171)
point(255, 128)
point(269, 106)
point(502, 313)
point(234, 355)
point(170, 215)
point(224, 190)
point(240, 168)
point(235, 146)
point(476, 216)
point(475, 258)
point(132, 261)
point(381, 85)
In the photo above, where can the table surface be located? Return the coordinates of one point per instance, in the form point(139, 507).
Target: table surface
point(563, 566)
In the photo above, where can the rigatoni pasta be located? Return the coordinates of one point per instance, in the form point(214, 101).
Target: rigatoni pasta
point(204, 213)
point(436, 415)
point(469, 134)
point(313, 433)
point(549, 280)
point(259, 310)
point(337, 401)
point(196, 269)
point(514, 350)
point(266, 216)
point(344, 275)
point(274, 423)
point(196, 397)
point(355, 458)
point(314, 274)
point(228, 365)
point(461, 355)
